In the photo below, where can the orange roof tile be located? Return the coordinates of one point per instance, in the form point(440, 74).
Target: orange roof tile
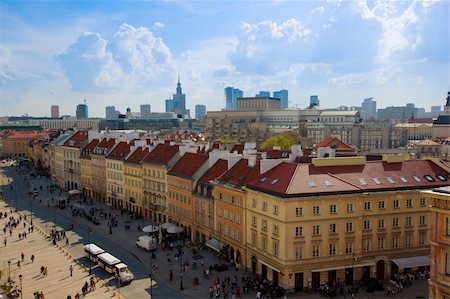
point(25, 135)
point(188, 165)
point(161, 154)
point(138, 155)
point(77, 140)
point(120, 151)
point(215, 171)
point(334, 142)
point(240, 174)
point(85, 152)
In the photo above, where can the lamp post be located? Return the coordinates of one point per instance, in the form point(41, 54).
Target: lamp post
point(89, 242)
point(31, 210)
point(54, 216)
point(110, 219)
point(21, 291)
point(9, 270)
point(151, 282)
point(15, 195)
point(353, 268)
point(180, 253)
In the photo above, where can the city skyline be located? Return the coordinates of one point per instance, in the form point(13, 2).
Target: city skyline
point(60, 53)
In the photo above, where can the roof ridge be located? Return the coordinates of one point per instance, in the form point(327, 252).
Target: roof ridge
point(297, 168)
point(342, 180)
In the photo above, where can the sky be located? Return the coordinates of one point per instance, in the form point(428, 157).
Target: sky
point(128, 53)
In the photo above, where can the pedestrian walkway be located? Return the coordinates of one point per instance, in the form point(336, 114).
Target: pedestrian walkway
point(57, 283)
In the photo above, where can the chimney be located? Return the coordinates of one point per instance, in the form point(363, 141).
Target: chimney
point(251, 161)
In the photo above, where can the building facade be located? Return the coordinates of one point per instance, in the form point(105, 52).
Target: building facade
point(82, 111)
point(231, 96)
point(133, 180)
point(98, 168)
point(71, 155)
point(283, 95)
point(54, 110)
point(115, 181)
point(439, 282)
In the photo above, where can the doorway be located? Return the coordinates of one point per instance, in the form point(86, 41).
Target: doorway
point(299, 282)
point(349, 276)
point(264, 271)
point(380, 270)
point(315, 280)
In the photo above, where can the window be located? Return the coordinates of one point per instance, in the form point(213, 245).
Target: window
point(332, 250)
point(366, 245)
point(403, 179)
point(423, 202)
point(316, 210)
point(275, 229)
point(298, 231)
point(348, 247)
point(422, 238)
point(380, 223)
point(416, 178)
point(380, 243)
point(422, 220)
point(264, 243)
point(238, 218)
point(349, 208)
point(390, 180)
point(225, 213)
point(253, 238)
point(275, 210)
point(219, 212)
point(447, 220)
point(254, 203)
point(366, 224)
point(333, 228)
point(275, 248)
point(264, 224)
point(447, 263)
point(367, 206)
point(395, 241)
point(408, 240)
point(332, 209)
point(396, 204)
point(409, 203)
point(226, 230)
point(429, 178)
point(231, 216)
point(362, 181)
point(315, 251)
point(349, 227)
point(376, 181)
point(298, 253)
point(316, 229)
point(238, 235)
point(254, 220)
point(298, 212)
point(264, 207)
point(395, 222)
point(381, 204)
point(408, 222)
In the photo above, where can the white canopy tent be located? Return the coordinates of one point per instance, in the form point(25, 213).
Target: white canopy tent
point(74, 192)
point(166, 225)
point(150, 229)
point(214, 244)
point(410, 262)
point(174, 230)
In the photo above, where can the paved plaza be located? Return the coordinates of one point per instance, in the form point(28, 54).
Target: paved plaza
point(58, 283)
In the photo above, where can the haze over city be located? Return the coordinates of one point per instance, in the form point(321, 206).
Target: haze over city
point(130, 53)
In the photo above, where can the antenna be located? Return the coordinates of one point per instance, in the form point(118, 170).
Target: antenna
point(85, 101)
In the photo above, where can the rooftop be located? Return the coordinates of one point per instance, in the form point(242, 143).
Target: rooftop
point(138, 155)
point(240, 174)
point(188, 165)
point(120, 151)
point(161, 154)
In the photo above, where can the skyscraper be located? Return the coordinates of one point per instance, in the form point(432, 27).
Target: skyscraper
point(145, 110)
point(169, 105)
point(82, 111)
point(200, 111)
point(263, 94)
point(370, 106)
point(55, 111)
point(283, 96)
point(179, 100)
point(231, 95)
point(314, 101)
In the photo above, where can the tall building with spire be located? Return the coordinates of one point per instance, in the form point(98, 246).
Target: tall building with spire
point(179, 100)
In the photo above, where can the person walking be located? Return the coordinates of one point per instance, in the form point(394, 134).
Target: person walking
point(71, 270)
point(4, 242)
point(32, 258)
point(22, 256)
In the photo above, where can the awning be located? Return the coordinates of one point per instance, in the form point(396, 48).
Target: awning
point(214, 244)
point(368, 263)
point(409, 262)
point(74, 192)
point(270, 266)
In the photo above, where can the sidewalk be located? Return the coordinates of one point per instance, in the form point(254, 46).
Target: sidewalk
point(57, 283)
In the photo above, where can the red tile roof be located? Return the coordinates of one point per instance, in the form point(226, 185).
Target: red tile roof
point(188, 165)
point(335, 143)
point(85, 152)
point(237, 147)
point(120, 151)
point(288, 179)
point(77, 140)
point(138, 155)
point(161, 154)
point(240, 174)
point(215, 171)
point(277, 154)
point(25, 135)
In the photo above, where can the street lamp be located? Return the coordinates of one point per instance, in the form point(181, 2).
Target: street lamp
point(15, 195)
point(21, 291)
point(110, 219)
point(54, 216)
point(89, 242)
point(353, 268)
point(31, 210)
point(151, 282)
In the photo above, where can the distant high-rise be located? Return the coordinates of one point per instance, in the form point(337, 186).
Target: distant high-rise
point(179, 100)
point(110, 112)
point(231, 95)
point(200, 111)
point(370, 106)
point(314, 101)
point(82, 111)
point(145, 110)
point(283, 96)
point(55, 111)
point(169, 105)
point(263, 94)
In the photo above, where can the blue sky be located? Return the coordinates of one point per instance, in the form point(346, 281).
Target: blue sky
point(127, 53)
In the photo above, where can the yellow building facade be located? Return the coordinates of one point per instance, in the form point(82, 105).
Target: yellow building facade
point(307, 226)
point(115, 177)
point(133, 186)
point(439, 282)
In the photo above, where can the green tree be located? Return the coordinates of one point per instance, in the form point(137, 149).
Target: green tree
point(283, 140)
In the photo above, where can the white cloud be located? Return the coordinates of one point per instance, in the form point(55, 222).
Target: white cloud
point(291, 30)
point(5, 74)
point(394, 26)
point(159, 25)
point(379, 76)
point(134, 56)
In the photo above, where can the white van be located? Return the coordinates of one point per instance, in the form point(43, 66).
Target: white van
point(147, 242)
point(114, 266)
point(92, 252)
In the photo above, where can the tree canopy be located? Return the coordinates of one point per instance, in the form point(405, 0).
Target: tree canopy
point(283, 140)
